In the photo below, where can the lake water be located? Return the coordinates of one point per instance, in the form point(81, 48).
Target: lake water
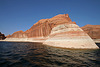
point(25, 54)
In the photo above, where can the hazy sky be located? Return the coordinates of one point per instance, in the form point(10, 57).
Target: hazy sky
point(18, 15)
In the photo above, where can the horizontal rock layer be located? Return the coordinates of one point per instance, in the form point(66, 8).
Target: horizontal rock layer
point(43, 27)
point(58, 31)
point(92, 30)
point(70, 36)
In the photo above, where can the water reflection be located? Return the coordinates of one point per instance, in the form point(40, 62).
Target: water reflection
point(25, 54)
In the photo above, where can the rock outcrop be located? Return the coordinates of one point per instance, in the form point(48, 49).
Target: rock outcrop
point(42, 28)
point(70, 36)
point(2, 36)
point(18, 34)
point(58, 31)
point(92, 30)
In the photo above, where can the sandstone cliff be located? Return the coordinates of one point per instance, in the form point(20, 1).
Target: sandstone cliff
point(58, 31)
point(70, 36)
point(43, 27)
point(92, 30)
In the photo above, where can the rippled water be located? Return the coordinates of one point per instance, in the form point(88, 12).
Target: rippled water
point(24, 54)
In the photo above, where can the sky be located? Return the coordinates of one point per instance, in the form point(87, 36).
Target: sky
point(18, 15)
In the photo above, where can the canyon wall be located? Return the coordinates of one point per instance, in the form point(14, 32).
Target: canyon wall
point(70, 36)
point(58, 31)
point(92, 30)
point(43, 27)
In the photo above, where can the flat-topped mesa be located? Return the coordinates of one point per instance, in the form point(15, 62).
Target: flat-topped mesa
point(92, 30)
point(70, 36)
point(43, 27)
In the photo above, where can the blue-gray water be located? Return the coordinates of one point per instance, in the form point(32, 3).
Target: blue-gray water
point(24, 54)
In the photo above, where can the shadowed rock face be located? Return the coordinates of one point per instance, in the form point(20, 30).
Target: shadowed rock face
point(2, 36)
point(43, 27)
point(92, 30)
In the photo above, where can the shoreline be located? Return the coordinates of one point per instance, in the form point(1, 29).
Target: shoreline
point(24, 40)
point(96, 40)
point(34, 40)
point(42, 40)
point(53, 46)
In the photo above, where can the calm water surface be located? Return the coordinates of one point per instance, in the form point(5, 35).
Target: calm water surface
point(24, 54)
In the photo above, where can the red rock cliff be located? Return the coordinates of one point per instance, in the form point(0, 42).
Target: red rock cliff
point(43, 27)
point(92, 30)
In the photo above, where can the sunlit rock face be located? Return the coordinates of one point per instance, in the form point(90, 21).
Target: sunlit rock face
point(18, 34)
point(70, 35)
point(58, 31)
point(92, 30)
point(43, 27)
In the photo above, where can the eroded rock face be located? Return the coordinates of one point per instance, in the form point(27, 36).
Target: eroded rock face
point(2, 36)
point(92, 30)
point(43, 27)
point(70, 36)
point(58, 31)
point(18, 34)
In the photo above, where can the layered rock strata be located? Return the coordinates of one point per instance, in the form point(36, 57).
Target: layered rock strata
point(58, 31)
point(42, 28)
point(92, 30)
point(70, 36)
